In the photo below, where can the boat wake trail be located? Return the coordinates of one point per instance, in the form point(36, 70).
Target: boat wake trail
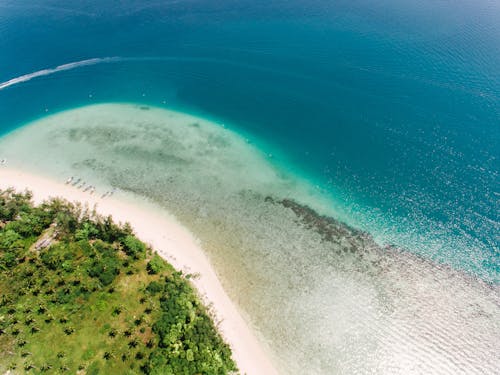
point(115, 59)
point(60, 68)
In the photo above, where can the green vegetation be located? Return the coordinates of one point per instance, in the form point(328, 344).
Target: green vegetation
point(80, 294)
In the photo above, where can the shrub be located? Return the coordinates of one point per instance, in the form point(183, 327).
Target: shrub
point(154, 287)
point(53, 257)
point(11, 204)
point(87, 231)
point(27, 225)
point(133, 247)
point(105, 269)
point(8, 260)
point(155, 265)
point(8, 238)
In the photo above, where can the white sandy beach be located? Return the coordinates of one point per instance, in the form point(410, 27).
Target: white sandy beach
point(173, 242)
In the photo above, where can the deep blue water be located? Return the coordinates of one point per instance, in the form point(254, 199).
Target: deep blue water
point(392, 106)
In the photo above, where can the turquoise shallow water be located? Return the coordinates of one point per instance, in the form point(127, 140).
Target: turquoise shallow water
point(322, 297)
point(392, 108)
point(384, 115)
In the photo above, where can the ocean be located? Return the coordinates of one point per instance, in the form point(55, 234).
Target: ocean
point(384, 116)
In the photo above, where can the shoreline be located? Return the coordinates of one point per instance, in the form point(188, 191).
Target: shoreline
point(171, 241)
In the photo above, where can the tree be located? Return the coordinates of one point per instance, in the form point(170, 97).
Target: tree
point(155, 265)
point(117, 310)
point(87, 231)
point(154, 287)
point(107, 356)
point(21, 343)
point(45, 367)
point(12, 203)
point(9, 260)
point(133, 343)
point(133, 247)
point(113, 333)
point(9, 238)
point(139, 355)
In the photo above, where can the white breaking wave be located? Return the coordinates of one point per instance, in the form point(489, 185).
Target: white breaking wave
point(60, 68)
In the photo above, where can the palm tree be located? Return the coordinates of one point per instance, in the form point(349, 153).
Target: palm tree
point(117, 310)
point(107, 356)
point(133, 343)
point(139, 355)
point(113, 333)
point(41, 309)
point(45, 367)
point(28, 366)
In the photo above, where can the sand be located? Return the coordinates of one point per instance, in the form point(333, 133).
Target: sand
point(173, 242)
point(323, 304)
